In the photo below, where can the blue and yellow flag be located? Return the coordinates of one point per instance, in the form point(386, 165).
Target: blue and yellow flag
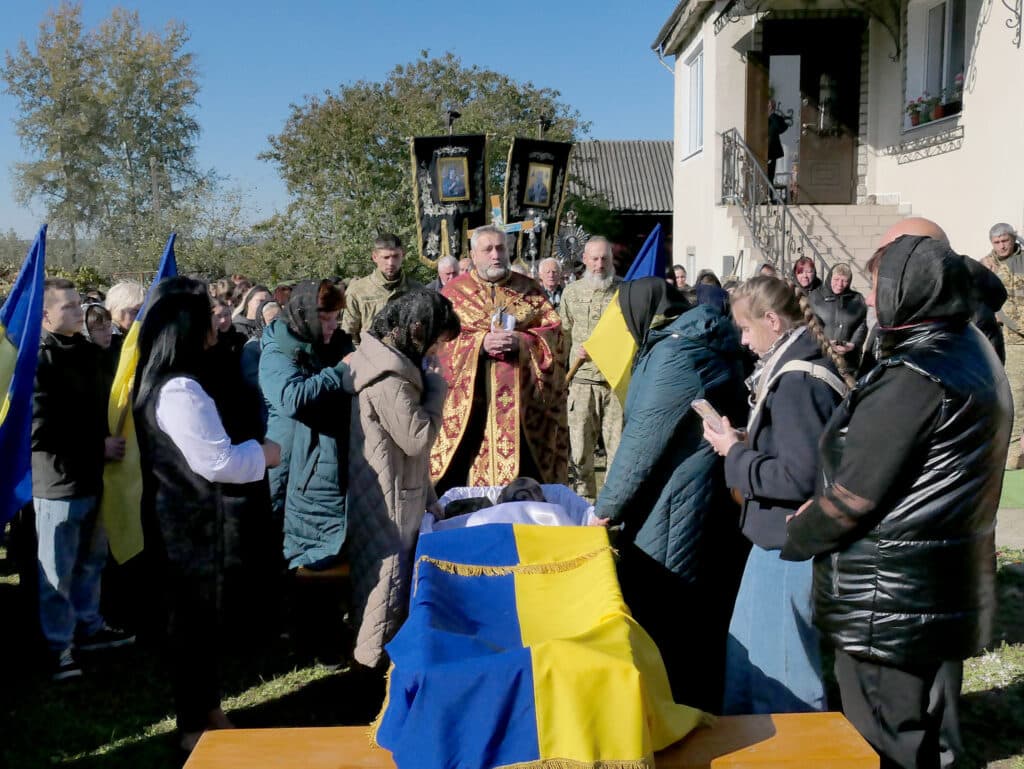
point(122, 481)
point(21, 319)
point(610, 346)
point(519, 651)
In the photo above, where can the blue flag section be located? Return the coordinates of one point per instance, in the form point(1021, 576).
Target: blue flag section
point(21, 319)
point(650, 262)
point(168, 268)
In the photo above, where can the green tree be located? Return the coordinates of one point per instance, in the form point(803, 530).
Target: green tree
point(62, 122)
point(108, 117)
point(345, 156)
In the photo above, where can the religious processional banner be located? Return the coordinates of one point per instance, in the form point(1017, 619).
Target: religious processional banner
point(520, 652)
point(535, 185)
point(449, 192)
point(21, 321)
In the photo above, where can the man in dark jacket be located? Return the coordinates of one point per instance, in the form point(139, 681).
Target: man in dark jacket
point(69, 445)
point(904, 527)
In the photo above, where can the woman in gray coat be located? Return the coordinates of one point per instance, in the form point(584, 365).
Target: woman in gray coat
point(395, 419)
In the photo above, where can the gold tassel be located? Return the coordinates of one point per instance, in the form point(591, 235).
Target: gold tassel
point(568, 763)
point(371, 731)
point(471, 570)
point(446, 249)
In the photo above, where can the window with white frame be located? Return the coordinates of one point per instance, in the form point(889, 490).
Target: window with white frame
point(694, 63)
point(938, 48)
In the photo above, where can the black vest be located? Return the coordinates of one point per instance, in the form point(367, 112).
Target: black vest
point(919, 587)
point(184, 515)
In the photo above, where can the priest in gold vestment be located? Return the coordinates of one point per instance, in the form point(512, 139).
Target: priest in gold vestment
point(505, 412)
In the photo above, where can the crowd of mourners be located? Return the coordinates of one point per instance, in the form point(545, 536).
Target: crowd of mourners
point(837, 489)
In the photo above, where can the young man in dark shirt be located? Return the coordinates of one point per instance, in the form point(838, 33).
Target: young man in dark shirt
point(69, 446)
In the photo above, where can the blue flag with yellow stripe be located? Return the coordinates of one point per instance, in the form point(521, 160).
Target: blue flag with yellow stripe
point(610, 346)
point(21, 319)
point(120, 506)
point(650, 262)
point(519, 651)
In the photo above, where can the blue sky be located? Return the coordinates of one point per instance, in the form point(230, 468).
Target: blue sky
point(258, 57)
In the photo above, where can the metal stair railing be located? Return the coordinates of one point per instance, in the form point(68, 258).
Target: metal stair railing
point(774, 228)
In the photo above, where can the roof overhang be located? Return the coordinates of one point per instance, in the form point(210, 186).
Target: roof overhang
point(676, 32)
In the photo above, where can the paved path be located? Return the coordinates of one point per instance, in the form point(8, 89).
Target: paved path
point(1010, 528)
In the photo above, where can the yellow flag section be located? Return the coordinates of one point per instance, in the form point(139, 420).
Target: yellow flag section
point(611, 347)
point(600, 685)
point(122, 481)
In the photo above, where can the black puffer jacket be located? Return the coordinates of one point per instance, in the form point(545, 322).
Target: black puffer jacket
point(910, 519)
point(843, 316)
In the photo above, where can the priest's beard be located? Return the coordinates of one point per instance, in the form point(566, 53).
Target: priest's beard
point(593, 280)
point(494, 274)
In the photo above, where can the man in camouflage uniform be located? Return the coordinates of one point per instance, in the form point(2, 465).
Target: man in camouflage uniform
point(1007, 261)
point(366, 296)
point(593, 407)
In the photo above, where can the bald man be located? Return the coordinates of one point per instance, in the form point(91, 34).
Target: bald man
point(987, 291)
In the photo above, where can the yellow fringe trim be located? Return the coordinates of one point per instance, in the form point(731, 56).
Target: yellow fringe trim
point(568, 763)
point(373, 728)
point(471, 570)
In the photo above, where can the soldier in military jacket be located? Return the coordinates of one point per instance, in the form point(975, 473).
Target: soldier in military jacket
point(1007, 261)
point(593, 407)
point(366, 296)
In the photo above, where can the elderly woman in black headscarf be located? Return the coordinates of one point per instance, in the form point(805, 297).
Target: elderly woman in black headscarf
point(682, 553)
point(301, 377)
point(903, 523)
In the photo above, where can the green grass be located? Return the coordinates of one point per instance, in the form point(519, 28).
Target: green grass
point(119, 714)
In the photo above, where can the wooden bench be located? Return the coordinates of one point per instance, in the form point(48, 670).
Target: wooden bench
point(789, 741)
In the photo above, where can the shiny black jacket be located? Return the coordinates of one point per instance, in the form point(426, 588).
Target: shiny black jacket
point(912, 463)
point(920, 585)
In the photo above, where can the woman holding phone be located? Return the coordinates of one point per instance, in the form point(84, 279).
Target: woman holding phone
point(773, 664)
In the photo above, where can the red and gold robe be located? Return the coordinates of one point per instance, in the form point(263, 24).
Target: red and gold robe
point(526, 393)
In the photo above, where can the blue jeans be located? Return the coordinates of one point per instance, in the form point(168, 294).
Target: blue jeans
point(72, 552)
point(773, 659)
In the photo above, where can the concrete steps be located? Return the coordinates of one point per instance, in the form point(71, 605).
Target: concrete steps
point(841, 233)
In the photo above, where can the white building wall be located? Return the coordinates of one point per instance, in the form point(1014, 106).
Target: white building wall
point(967, 184)
point(701, 225)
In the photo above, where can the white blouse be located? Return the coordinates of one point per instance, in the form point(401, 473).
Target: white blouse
point(189, 418)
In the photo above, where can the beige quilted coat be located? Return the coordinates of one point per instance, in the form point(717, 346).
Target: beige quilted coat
point(395, 419)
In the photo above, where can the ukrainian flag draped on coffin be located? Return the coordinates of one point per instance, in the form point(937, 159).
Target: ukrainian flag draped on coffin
point(519, 651)
point(21, 319)
point(122, 481)
point(610, 346)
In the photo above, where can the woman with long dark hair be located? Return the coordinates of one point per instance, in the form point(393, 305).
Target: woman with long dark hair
point(186, 459)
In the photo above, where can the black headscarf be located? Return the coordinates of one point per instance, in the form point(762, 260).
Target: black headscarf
point(647, 303)
point(921, 280)
point(301, 313)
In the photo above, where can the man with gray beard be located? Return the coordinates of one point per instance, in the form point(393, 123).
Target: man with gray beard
point(504, 415)
point(593, 408)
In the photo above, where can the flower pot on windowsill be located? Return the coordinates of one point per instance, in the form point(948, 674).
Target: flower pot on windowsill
point(938, 112)
point(953, 107)
point(925, 117)
point(915, 118)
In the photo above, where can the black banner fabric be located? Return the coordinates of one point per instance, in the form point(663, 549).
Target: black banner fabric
point(535, 184)
point(449, 189)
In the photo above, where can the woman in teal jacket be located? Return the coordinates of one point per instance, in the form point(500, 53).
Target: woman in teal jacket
point(682, 553)
point(301, 375)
